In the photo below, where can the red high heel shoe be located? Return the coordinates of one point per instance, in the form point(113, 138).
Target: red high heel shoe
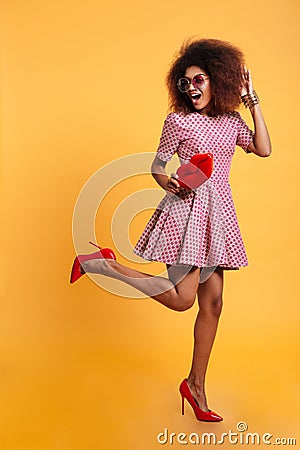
point(104, 253)
point(206, 416)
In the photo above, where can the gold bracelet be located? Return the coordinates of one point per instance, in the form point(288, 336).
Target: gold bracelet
point(250, 100)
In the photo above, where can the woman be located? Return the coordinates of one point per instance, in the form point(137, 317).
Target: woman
point(195, 231)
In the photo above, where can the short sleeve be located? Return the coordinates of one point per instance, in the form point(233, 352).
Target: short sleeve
point(169, 140)
point(245, 135)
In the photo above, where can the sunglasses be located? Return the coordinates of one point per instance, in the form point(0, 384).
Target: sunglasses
point(198, 82)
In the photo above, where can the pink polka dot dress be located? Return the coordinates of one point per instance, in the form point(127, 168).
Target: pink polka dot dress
point(198, 227)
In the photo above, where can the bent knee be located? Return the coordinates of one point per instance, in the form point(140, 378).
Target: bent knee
point(186, 304)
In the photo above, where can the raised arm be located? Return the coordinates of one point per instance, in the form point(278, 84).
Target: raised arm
point(261, 144)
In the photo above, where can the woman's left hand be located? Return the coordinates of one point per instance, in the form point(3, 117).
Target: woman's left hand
point(247, 87)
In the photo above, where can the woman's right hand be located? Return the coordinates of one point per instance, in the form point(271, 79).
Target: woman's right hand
point(172, 185)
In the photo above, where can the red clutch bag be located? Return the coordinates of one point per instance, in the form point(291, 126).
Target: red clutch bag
point(196, 171)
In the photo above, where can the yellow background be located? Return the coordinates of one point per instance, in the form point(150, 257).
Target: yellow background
point(82, 84)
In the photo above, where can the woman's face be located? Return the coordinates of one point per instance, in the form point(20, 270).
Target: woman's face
point(199, 96)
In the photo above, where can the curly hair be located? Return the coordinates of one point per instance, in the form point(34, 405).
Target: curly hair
point(223, 64)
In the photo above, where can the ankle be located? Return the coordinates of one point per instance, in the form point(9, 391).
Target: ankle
point(196, 382)
point(94, 266)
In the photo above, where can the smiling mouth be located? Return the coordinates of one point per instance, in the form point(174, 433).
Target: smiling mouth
point(195, 96)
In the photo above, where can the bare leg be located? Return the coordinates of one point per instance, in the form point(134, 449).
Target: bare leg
point(178, 295)
point(210, 303)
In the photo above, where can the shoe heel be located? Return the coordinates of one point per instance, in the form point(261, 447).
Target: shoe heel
point(182, 405)
point(95, 245)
